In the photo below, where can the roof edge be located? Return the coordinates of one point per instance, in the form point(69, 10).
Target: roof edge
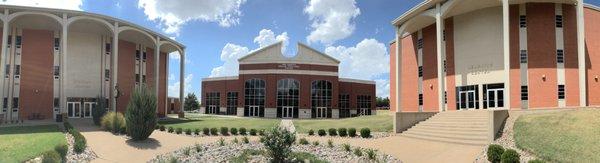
point(349, 80)
point(318, 52)
point(254, 52)
point(220, 78)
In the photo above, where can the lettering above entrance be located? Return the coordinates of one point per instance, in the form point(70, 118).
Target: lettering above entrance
point(288, 66)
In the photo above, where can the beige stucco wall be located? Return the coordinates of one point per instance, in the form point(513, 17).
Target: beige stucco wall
point(478, 47)
point(84, 65)
point(304, 113)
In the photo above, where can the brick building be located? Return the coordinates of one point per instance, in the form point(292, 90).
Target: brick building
point(275, 86)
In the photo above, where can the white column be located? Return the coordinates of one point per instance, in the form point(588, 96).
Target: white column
point(157, 70)
point(440, 65)
point(581, 54)
point(398, 74)
point(3, 56)
point(506, 42)
point(63, 64)
point(115, 65)
point(181, 80)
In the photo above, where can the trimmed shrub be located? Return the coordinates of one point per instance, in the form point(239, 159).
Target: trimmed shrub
point(261, 132)
point(156, 127)
point(100, 110)
point(330, 143)
point(365, 133)
point(197, 131)
point(221, 142)
point(278, 142)
point(235, 141)
point(178, 130)
point(346, 147)
point(311, 132)
point(141, 113)
point(342, 132)
point(253, 132)
point(494, 153)
point(224, 131)
point(321, 132)
point(510, 156)
point(162, 128)
point(79, 141)
point(62, 150)
point(188, 131)
point(303, 141)
point(371, 154)
point(113, 122)
point(332, 132)
point(233, 131)
point(214, 131)
point(51, 157)
point(243, 131)
point(536, 161)
point(245, 140)
point(352, 132)
point(205, 131)
point(358, 152)
point(171, 130)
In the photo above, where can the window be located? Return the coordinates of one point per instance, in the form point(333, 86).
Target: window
point(344, 103)
point(524, 93)
point(364, 102)
point(143, 78)
point(137, 78)
point(444, 35)
point(56, 102)
point(523, 21)
point(232, 100)
point(212, 100)
point(9, 40)
point(5, 103)
point(445, 65)
point(17, 71)
point(107, 47)
point(15, 103)
point(137, 54)
point(106, 74)
point(56, 72)
point(523, 56)
point(144, 56)
point(420, 99)
point(559, 21)
point(18, 42)
point(254, 93)
point(420, 44)
point(445, 97)
point(420, 71)
point(561, 91)
point(6, 71)
point(56, 43)
point(287, 96)
point(321, 95)
point(560, 57)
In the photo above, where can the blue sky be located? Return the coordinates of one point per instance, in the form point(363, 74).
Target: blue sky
point(217, 32)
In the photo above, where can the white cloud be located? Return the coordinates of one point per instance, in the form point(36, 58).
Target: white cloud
point(229, 55)
point(382, 87)
point(367, 60)
point(171, 77)
point(331, 20)
point(59, 4)
point(174, 55)
point(266, 37)
point(172, 14)
point(174, 88)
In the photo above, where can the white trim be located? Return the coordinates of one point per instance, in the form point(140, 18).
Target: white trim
point(356, 81)
point(296, 62)
point(295, 72)
point(581, 52)
point(220, 78)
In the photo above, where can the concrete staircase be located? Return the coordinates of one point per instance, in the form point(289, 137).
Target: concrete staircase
point(462, 127)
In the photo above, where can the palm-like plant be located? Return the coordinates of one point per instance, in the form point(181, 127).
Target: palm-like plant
point(141, 113)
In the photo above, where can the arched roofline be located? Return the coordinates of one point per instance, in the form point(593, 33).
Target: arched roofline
point(83, 17)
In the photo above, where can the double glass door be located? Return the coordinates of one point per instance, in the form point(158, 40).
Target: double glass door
point(212, 109)
point(287, 112)
point(321, 112)
point(74, 109)
point(467, 99)
point(495, 98)
point(253, 111)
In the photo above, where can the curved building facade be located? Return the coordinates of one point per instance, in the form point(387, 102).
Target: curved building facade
point(275, 86)
point(57, 62)
point(488, 54)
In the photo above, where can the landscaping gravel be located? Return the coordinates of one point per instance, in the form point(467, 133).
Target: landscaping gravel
point(86, 156)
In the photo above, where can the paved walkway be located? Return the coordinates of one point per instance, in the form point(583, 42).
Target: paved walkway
point(287, 124)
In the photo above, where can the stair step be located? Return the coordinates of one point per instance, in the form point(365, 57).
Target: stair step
point(465, 142)
point(451, 128)
point(463, 123)
point(450, 132)
point(451, 125)
point(448, 136)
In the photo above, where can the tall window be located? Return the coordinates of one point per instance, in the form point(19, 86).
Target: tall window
point(137, 55)
point(56, 72)
point(15, 103)
point(321, 94)
point(6, 71)
point(420, 71)
point(17, 71)
point(420, 44)
point(522, 21)
point(106, 74)
point(344, 103)
point(363, 102)
point(254, 93)
point(212, 102)
point(107, 47)
point(559, 21)
point(56, 43)
point(561, 91)
point(420, 99)
point(232, 100)
point(524, 93)
point(56, 102)
point(5, 104)
point(287, 98)
point(523, 55)
point(560, 56)
point(18, 41)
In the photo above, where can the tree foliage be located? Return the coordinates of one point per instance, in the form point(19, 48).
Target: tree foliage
point(141, 113)
point(191, 102)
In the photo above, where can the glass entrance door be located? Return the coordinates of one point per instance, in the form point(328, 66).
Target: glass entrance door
point(253, 111)
point(467, 99)
point(321, 112)
point(88, 107)
point(495, 98)
point(212, 109)
point(74, 109)
point(287, 112)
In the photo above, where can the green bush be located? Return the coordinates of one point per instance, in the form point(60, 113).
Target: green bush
point(358, 152)
point(352, 132)
point(346, 147)
point(342, 132)
point(162, 128)
point(245, 140)
point(371, 154)
point(68, 126)
point(178, 130)
point(321, 132)
point(243, 131)
point(303, 141)
point(253, 132)
point(141, 113)
point(233, 131)
point(261, 132)
point(62, 150)
point(330, 143)
point(224, 131)
point(171, 130)
point(316, 143)
point(510, 156)
point(100, 110)
point(332, 132)
point(79, 141)
point(536, 161)
point(214, 131)
point(205, 131)
point(235, 141)
point(311, 132)
point(494, 153)
point(156, 127)
point(221, 142)
point(365, 133)
point(278, 142)
point(197, 131)
point(113, 122)
point(51, 157)
point(188, 131)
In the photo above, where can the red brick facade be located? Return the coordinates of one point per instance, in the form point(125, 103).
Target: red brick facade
point(37, 82)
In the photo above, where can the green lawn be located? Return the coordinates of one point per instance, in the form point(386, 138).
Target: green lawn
point(382, 122)
point(18, 144)
point(194, 121)
point(568, 136)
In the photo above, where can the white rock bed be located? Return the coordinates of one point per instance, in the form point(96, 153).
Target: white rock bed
point(214, 153)
point(86, 156)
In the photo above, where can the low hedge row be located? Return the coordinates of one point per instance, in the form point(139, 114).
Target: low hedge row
point(80, 142)
point(343, 132)
point(223, 131)
point(496, 154)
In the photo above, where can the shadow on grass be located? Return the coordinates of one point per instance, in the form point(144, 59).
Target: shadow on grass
point(149, 143)
point(171, 121)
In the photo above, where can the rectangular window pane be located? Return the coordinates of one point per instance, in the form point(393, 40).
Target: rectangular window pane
point(560, 58)
point(523, 56)
point(523, 21)
point(17, 69)
point(559, 21)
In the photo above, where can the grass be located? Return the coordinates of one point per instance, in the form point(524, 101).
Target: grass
point(194, 121)
point(298, 156)
point(568, 136)
point(382, 122)
point(18, 144)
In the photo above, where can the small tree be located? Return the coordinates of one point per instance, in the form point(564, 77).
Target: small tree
point(100, 110)
point(141, 113)
point(278, 142)
point(191, 102)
